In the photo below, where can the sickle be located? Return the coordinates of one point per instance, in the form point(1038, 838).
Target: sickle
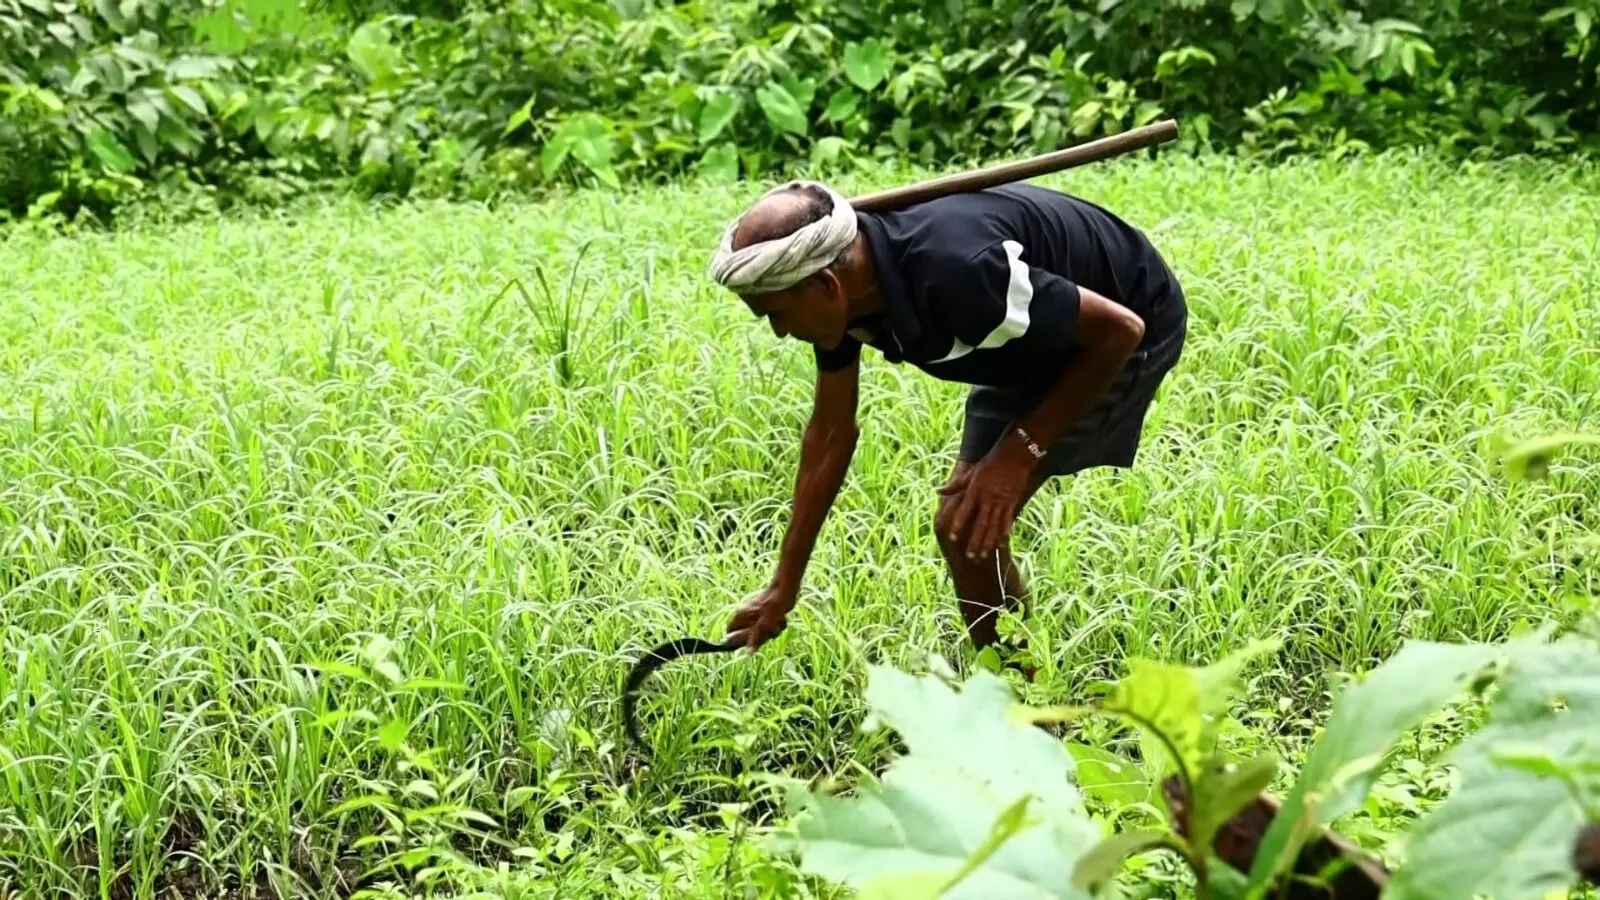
point(655, 659)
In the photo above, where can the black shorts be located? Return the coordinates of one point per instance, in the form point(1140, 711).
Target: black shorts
point(1107, 435)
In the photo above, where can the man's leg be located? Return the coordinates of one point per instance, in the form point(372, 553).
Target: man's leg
point(986, 586)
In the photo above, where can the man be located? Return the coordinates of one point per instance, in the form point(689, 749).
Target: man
point(1063, 319)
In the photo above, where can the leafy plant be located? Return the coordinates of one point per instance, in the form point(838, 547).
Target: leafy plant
point(979, 807)
point(978, 804)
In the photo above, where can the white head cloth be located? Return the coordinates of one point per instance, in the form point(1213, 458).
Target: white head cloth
point(784, 262)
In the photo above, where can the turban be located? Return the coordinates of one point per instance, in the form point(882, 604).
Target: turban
point(782, 263)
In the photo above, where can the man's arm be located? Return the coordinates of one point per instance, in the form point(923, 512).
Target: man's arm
point(1015, 301)
point(1103, 335)
point(825, 453)
point(1109, 333)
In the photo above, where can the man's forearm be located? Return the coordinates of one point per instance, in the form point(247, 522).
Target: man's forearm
point(824, 459)
point(1075, 392)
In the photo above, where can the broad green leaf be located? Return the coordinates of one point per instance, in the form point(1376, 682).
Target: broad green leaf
point(782, 110)
point(842, 105)
point(373, 54)
point(517, 797)
point(554, 155)
point(1536, 761)
point(1108, 778)
point(803, 90)
point(1345, 762)
point(177, 135)
point(1023, 115)
point(1013, 820)
point(900, 132)
point(187, 67)
point(720, 163)
point(1087, 116)
point(1227, 883)
point(110, 151)
point(1271, 10)
point(828, 150)
point(111, 14)
point(718, 112)
point(46, 202)
point(145, 137)
point(971, 773)
point(1507, 832)
point(913, 886)
point(866, 64)
point(1100, 865)
point(989, 660)
point(1184, 704)
point(1220, 793)
point(515, 120)
point(49, 100)
point(189, 97)
point(589, 136)
point(145, 111)
point(236, 101)
point(591, 140)
point(1164, 699)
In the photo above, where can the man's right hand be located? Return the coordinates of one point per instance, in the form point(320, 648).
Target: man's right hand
point(763, 616)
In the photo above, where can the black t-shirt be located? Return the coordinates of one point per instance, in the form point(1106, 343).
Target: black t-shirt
point(982, 288)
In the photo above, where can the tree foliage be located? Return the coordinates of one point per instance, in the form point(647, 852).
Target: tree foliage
point(254, 98)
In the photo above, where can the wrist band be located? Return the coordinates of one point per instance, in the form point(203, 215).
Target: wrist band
point(1028, 442)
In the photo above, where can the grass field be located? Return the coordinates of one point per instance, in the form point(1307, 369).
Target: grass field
point(287, 501)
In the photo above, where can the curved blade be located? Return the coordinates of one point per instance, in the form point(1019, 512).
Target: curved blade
point(655, 659)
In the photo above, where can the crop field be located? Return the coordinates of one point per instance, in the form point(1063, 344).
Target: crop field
point(328, 536)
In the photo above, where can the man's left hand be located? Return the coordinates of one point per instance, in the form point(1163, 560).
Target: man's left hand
point(989, 495)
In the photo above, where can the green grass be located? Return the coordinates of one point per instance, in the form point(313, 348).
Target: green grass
point(502, 452)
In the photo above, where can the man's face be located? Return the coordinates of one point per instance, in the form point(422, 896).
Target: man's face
point(813, 311)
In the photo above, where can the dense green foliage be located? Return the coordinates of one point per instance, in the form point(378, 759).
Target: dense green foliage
point(257, 98)
point(288, 502)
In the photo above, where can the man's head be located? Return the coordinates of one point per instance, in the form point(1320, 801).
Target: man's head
point(789, 258)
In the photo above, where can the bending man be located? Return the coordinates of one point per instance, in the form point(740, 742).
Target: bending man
point(1063, 318)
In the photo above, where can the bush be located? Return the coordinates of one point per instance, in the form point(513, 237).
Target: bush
point(252, 99)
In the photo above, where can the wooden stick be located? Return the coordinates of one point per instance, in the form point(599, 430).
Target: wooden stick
point(1005, 173)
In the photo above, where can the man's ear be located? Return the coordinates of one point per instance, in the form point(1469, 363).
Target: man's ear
point(833, 285)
